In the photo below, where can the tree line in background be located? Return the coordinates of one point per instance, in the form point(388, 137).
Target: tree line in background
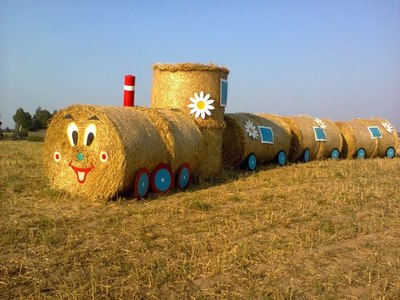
point(25, 122)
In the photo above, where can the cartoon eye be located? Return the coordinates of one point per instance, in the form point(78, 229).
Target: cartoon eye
point(103, 156)
point(72, 132)
point(57, 156)
point(90, 134)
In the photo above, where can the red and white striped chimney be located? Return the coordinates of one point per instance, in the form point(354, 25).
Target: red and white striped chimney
point(129, 90)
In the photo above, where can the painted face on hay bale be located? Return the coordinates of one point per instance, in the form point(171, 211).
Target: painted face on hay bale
point(83, 152)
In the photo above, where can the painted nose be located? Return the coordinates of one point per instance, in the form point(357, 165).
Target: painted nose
point(80, 156)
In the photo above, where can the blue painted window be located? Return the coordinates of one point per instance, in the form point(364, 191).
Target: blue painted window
point(267, 135)
point(375, 132)
point(224, 92)
point(320, 134)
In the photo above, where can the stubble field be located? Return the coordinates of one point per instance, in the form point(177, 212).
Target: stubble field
point(317, 230)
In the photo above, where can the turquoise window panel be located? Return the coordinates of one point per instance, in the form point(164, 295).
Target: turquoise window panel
point(267, 135)
point(224, 92)
point(375, 132)
point(320, 134)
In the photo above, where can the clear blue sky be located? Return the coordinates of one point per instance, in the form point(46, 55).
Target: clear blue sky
point(335, 59)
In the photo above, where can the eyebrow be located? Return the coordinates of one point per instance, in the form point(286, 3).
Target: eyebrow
point(94, 118)
point(68, 116)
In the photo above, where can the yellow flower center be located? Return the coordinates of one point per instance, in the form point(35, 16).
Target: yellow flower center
point(201, 105)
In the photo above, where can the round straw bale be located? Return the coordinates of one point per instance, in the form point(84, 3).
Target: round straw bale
point(96, 150)
point(211, 152)
point(282, 134)
point(389, 135)
point(233, 142)
point(175, 84)
point(242, 137)
point(333, 141)
point(303, 137)
point(348, 138)
point(356, 136)
point(181, 136)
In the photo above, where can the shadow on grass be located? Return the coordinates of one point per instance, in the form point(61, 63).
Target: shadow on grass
point(228, 174)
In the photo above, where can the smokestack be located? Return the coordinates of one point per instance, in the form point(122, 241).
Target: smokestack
point(129, 90)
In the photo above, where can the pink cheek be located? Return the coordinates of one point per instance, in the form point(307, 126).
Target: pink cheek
point(57, 156)
point(103, 156)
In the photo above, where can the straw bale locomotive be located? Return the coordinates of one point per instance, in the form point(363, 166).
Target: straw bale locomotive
point(104, 151)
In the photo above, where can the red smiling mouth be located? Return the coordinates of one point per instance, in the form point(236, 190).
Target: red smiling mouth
point(81, 172)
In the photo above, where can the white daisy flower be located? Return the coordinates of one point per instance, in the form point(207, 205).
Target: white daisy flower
point(251, 129)
point(320, 123)
point(389, 128)
point(201, 105)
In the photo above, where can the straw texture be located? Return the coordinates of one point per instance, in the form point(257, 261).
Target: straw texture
point(356, 136)
point(175, 84)
point(237, 144)
point(303, 137)
point(211, 152)
point(334, 140)
point(387, 140)
point(181, 136)
point(125, 140)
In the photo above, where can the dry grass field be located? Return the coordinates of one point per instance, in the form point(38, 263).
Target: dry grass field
point(318, 230)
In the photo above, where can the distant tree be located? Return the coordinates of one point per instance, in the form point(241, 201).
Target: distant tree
point(23, 120)
point(7, 129)
point(41, 118)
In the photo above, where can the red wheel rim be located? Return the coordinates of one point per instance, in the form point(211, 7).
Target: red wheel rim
point(183, 176)
point(142, 183)
point(162, 180)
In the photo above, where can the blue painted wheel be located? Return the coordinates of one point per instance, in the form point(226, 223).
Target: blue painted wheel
point(390, 152)
point(162, 180)
point(183, 176)
point(361, 153)
point(282, 160)
point(335, 154)
point(142, 183)
point(251, 162)
point(307, 155)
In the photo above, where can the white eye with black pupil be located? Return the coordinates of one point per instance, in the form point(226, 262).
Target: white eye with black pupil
point(72, 133)
point(90, 134)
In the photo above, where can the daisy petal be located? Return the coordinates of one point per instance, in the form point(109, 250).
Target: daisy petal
point(193, 100)
point(201, 95)
point(203, 115)
point(206, 97)
point(210, 101)
point(197, 113)
point(207, 112)
point(192, 105)
point(193, 110)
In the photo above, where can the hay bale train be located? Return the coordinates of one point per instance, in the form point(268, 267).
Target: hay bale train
point(105, 151)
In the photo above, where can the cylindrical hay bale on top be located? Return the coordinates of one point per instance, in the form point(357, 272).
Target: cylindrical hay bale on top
point(357, 140)
point(303, 137)
point(95, 151)
point(243, 136)
point(332, 147)
point(175, 84)
point(200, 92)
point(388, 138)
